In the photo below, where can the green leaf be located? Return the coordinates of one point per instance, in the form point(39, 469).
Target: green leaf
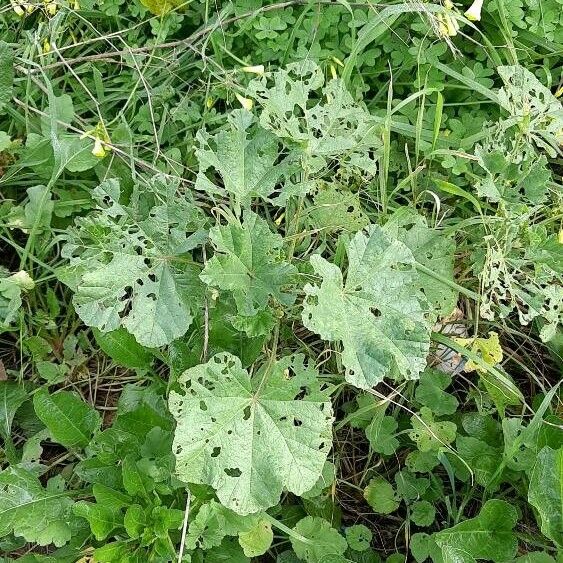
point(429, 434)
point(135, 521)
point(358, 537)
point(422, 546)
point(6, 74)
point(123, 349)
point(324, 126)
point(487, 536)
point(336, 208)
point(376, 313)
point(430, 392)
point(321, 540)
point(410, 487)
point(102, 518)
point(545, 492)
point(257, 540)
point(12, 396)
point(244, 156)
point(539, 112)
point(136, 481)
point(251, 437)
point(381, 433)
point(248, 263)
point(481, 458)
point(130, 265)
point(432, 250)
point(381, 496)
point(30, 511)
point(69, 419)
point(423, 513)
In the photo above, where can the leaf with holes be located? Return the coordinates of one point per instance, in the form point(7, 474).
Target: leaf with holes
point(249, 263)
point(251, 437)
point(430, 434)
point(244, 155)
point(433, 251)
point(130, 265)
point(327, 125)
point(377, 312)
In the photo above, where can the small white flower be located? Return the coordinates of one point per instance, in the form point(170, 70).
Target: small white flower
point(473, 13)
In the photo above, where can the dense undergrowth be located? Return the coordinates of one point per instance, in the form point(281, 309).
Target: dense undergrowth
point(281, 281)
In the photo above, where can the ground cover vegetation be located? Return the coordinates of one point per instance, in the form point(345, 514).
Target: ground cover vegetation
point(281, 281)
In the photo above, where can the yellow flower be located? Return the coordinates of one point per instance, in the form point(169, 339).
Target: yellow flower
point(560, 237)
point(246, 103)
point(99, 150)
point(46, 46)
point(23, 280)
point(50, 7)
point(256, 69)
point(333, 72)
point(16, 6)
point(101, 140)
point(473, 13)
point(209, 102)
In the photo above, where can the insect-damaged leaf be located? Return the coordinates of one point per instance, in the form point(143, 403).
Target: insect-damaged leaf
point(377, 312)
point(251, 437)
point(130, 264)
point(249, 263)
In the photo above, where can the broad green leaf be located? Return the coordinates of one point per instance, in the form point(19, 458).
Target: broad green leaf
point(251, 437)
point(244, 155)
point(136, 481)
point(422, 546)
point(336, 208)
point(430, 392)
point(256, 540)
point(327, 126)
point(130, 265)
point(69, 419)
point(429, 434)
point(489, 535)
point(103, 519)
point(323, 540)
point(6, 74)
point(410, 487)
point(248, 262)
point(27, 509)
point(12, 395)
point(481, 458)
point(135, 521)
point(376, 312)
point(381, 496)
point(434, 251)
point(423, 513)
point(358, 537)
point(545, 492)
point(381, 433)
point(123, 349)
point(213, 522)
